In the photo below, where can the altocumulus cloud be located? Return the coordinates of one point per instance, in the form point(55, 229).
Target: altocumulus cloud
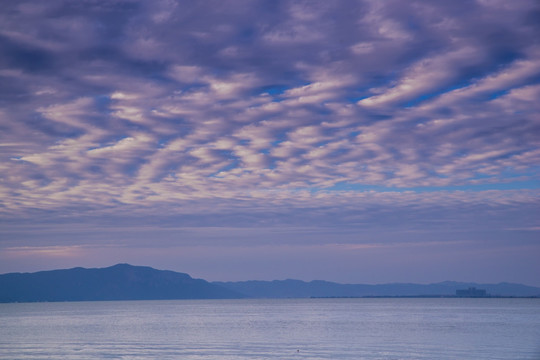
point(377, 123)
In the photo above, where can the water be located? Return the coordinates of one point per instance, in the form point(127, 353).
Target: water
point(273, 329)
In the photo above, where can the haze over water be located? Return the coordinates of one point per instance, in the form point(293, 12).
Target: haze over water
point(445, 329)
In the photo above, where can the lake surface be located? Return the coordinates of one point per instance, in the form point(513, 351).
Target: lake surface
point(273, 329)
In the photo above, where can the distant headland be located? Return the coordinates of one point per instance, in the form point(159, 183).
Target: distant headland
point(128, 282)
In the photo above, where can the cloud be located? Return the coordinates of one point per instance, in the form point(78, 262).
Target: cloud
point(315, 113)
point(425, 76)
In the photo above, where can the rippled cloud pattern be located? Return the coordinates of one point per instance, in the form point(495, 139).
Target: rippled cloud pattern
point(384, 126)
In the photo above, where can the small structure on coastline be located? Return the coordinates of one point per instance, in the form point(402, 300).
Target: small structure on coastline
point(472, 292)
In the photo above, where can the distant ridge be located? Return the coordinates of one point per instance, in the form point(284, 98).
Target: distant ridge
point(128, 282)
point(301, 289)
point(118, 282)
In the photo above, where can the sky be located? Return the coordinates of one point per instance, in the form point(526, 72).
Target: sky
point(349, 141)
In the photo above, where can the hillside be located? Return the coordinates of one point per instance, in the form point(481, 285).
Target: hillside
point(302, 289)
point(119, 282)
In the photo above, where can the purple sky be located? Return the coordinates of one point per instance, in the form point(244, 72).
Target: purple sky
point(350, 141)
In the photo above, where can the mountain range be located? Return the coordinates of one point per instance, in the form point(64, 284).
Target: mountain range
point(118, 282)
point(318, 288)
point(128, 282)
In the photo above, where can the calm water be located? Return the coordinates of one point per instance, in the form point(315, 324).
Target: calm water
point(273, 329)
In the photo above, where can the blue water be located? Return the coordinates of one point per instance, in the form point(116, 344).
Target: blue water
point(273, 329)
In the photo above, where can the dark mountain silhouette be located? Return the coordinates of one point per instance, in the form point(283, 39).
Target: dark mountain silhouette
point(119, 282)
point(127, 282)
point(302, 289)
